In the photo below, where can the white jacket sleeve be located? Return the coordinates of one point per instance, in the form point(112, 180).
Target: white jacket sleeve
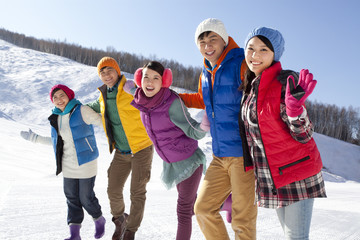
point(43, 140)
point(90, 116)
point(35, 138)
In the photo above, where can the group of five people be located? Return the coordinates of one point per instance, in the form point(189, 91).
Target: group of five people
point(263, 151)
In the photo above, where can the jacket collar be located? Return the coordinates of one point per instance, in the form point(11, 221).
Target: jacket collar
point(269, 74)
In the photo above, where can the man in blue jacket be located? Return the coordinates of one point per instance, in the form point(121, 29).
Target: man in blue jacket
point(228, 172)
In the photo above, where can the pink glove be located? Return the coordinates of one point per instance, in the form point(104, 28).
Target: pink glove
point(128, 86)
point(297, 93)
point(205, 124)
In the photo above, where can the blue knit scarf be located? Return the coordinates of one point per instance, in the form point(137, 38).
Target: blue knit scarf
point(71, 104)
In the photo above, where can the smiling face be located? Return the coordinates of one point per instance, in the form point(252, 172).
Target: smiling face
point(211, 47)
point(109, 76)
point(151, 82)
point(258, 56)
point(60, 99)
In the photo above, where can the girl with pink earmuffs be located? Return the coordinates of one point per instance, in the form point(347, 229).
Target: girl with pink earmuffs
point(174, 134)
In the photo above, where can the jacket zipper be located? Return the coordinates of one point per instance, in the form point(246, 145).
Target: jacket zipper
point(273, 190)
point(292, 164)
point(89, 144)
point(212, 89)
point(126, 136)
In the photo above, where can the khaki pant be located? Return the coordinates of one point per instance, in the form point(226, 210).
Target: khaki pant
point(139, 165)
point(223, 176)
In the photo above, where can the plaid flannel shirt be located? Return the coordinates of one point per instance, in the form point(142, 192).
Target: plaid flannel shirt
point(301, 130)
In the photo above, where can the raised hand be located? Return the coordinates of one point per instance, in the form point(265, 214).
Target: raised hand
point(29, 135)
point(297, 93)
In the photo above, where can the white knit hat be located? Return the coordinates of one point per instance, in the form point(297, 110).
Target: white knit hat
point(213, 25)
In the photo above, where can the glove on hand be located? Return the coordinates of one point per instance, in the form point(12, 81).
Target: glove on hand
point(205, 124)
point(29, 135)
point(227, 206)
point(297, 93)
point(129, 84)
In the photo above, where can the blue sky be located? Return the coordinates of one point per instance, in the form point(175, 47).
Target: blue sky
point(319, 35)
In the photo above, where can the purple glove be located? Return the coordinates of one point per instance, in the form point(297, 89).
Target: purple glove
point(205, 124)
point(129, 84)
point(227, 206)
point(297, 93)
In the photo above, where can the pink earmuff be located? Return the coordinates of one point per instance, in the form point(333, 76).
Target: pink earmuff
point(138, 76)
point(166, 78)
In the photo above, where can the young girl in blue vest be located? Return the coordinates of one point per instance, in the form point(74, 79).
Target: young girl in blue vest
point(76, 153)
point(174, 134)
point(287, 163)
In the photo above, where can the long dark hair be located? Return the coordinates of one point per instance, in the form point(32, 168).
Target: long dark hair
point(249, 76)
point(156, 66)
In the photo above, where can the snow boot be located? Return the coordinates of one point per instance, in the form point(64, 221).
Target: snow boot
point(120, 224)
point(99, 227)
point(227, 207)
point(128, 235)
point(74, 232)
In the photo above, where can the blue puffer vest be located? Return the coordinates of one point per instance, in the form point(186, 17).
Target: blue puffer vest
point(223, 104)
point(170, 141)
point(83, 136)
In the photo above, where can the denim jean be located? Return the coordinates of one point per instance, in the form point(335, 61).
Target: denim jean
point(295, 219)
point(80, 194)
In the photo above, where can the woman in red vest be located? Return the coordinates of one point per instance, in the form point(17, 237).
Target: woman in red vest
point(278, 131)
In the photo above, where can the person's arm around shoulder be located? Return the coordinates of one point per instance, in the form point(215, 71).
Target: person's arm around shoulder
point(180, 116)
point(90, 116)
point(194, 100)
point(130, 87)
point(95, 105)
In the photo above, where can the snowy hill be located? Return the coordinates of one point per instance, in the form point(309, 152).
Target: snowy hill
point(32, 204)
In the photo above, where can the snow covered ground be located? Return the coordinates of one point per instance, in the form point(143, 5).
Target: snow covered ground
point(32, 203)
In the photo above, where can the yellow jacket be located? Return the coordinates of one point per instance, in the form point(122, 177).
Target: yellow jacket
point(130, 119)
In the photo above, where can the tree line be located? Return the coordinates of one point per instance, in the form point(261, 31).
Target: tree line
point(90, 56)
point(331, 120)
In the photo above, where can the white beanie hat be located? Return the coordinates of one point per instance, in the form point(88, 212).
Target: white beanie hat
point(213, 25)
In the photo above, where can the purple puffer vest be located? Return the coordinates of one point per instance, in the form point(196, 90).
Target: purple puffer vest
point(170, 141)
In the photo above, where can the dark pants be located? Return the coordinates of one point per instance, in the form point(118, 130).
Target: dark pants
point(187, 190)
point(80, 194)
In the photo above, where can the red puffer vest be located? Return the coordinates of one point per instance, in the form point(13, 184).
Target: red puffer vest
point(288, 159)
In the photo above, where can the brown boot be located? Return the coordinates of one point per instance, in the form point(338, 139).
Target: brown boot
point(120, 224)
point(128, 235)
